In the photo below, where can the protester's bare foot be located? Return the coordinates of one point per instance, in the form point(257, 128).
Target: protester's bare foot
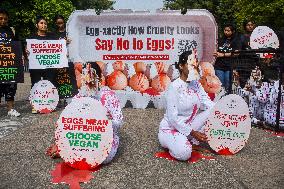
point(53, 152)
point(201, 137)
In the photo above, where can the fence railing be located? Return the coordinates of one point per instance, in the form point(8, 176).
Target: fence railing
point(244, 62)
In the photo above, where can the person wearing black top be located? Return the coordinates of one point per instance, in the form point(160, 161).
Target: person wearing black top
point(60, 27)
point(42, 34)
point(227, 45)
point(7, 89)
point(249, 26)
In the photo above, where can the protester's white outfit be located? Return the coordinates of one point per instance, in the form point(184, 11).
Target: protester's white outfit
point(271, 104)
point(184, 100)
point(109, 100)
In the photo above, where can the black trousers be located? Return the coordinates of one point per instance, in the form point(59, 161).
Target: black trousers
point(46, 74)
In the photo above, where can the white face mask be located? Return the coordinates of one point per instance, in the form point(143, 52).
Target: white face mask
point(193, 73)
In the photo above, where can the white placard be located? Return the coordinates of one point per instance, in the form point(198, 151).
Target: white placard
point(47, 54)
point(228, 126)
point(263, 37)
point(84, 134)
point(44, 96)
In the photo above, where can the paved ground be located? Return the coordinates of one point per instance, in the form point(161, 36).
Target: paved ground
point(23, 163)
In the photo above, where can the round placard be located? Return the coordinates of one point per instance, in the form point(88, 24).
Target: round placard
point(44, 96)
point(263, 37)
point(84, 134)
point(228, 126)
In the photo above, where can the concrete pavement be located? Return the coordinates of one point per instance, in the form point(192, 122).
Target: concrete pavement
point(23, 163)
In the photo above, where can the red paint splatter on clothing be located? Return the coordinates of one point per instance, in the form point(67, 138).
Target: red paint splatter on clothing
point(151, 91)
point(45, 111)
point(225, 152)
point(196, 156)
point(192, 115)
point(211, 96)
point(66, 174)
point(165, 155)
point(268, 55)
point(172, 131)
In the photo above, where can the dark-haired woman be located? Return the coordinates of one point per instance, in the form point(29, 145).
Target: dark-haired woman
point(60, 31)
point(228, 44)
point(42, 34)
point(182, 124)
point(91, 78)
point(248, 26)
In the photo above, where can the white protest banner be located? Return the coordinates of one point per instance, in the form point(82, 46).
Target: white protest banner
point(139, 42)
point(228, 126)
point(84, 134)
point(140, 36)
point(44, 96)
point(47, 54)
point(264, 37)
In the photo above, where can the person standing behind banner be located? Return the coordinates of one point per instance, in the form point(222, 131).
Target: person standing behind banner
point(182, 124)
point(60, 33)
point(42, 34)
point(60, 25)
point(7, 89)
point(228, 44)
point(249, 26)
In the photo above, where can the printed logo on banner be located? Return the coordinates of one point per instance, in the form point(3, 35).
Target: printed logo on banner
point(47, 54)
point(228, 126)
point(84, 134)
point(11, 66)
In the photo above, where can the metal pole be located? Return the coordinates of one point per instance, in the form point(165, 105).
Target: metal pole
point(278, 111)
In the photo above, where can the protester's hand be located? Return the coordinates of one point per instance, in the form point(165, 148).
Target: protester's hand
point(68, 40)
point(199, 136)
point(218, 54)
point(27, 52)
point(23, 60)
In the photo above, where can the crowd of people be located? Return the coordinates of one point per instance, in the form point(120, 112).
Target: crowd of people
point(8, 90)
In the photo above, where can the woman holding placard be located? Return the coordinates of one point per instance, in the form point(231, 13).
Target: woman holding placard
point(7, 89)
point(91, 77)
point(42, 34)
point(182, 125)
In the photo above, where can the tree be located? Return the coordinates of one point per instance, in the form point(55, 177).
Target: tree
point(221, 9)
point(98, 5)
point(23, 13)
point(266, 12)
